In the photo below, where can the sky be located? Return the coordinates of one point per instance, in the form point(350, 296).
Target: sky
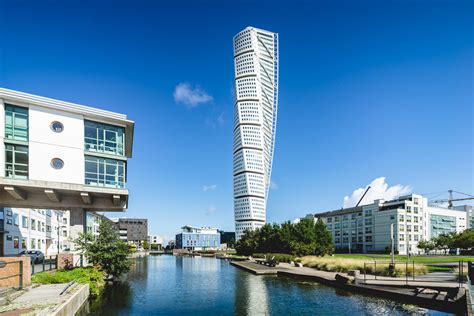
point(369, 92)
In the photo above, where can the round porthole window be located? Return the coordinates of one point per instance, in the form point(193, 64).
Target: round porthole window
point(57, 163)
point(57, 127)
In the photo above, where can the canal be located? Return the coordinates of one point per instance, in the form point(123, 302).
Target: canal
point(167, 285)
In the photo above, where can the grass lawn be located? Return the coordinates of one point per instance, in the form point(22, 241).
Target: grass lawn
point(417, 259)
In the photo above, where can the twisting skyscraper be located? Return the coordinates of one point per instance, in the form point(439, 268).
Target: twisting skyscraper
point(256, 84)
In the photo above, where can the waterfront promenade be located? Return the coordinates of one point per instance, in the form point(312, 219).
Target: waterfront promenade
point(441, 295)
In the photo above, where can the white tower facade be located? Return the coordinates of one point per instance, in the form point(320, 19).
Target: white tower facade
point(256, 104)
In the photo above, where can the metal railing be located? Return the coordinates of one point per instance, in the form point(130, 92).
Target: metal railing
point(405, 272)
point(49, 263)
point(19, 274)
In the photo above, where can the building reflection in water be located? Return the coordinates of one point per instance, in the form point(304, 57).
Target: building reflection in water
point(251, 297)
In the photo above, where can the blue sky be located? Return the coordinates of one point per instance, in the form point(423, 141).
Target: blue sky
point(368, 89)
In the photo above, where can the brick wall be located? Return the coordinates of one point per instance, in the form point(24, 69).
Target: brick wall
point(14, 268)
point(65, 260)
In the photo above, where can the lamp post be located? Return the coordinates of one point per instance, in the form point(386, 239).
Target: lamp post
point(391, 267)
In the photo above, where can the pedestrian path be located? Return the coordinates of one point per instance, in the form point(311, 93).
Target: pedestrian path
point(38, 300)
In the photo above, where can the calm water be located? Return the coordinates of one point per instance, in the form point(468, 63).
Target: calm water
point(167, 285)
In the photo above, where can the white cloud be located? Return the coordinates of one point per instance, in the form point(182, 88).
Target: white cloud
point(273, 185)
point(211, 210)
point(211, 187)
point(379, 189)
point(191, 96)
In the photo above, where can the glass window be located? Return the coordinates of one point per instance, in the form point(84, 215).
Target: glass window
point(104, 138)
point(104, 172)
point(16, 161)
point(24, 222)
point(16, 122)
point(15, 219)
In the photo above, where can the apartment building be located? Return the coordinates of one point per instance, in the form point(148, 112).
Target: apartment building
point(63, 156)
point(198, 238)
point(367, 228)
point(132, 230)
point(33, 229)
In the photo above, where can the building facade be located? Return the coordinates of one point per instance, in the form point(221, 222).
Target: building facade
point(255, 115)
point(63, 156)
point(132, 230)
point(33, 229)
point(366, 228)
point(198, 238)
point(469, 209)
point(156, 241)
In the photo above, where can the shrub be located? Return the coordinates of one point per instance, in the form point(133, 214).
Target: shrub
point(92, 276)
point(335, 264)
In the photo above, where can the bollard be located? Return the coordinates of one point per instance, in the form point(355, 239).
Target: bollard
point(375, 269)
point(20, 282)
point(406, 273)
point(365, 273)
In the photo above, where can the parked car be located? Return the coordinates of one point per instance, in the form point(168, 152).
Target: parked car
point(35, 255)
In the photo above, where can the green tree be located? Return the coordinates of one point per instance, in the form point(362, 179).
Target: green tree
point(426, 245)
point(464, 240)
point(146, 245)
point(247, 244)
point(324, 244)
point(106, 251)
point(443, 241)
point(303, 238)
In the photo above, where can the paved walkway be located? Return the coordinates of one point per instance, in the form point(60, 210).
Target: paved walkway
point(41, 299)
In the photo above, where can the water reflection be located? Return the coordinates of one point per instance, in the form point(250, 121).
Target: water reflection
point(251, 295)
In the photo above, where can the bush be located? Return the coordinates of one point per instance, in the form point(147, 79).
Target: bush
point(280, 257)
point(92, 276)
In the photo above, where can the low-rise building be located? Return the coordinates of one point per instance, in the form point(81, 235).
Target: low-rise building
point(132, 230)
point(33, 229)
point(156, 241)
point(367, 228)
point(198, 238)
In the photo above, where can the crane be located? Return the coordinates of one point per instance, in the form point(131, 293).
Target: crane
point(368, 188)
point(450, 199)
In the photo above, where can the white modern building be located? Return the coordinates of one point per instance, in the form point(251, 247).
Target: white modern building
point(156, 240)
point(33, 229)
point(366, 228)
point(469, 209)
point(256, 83)
point(63, 156)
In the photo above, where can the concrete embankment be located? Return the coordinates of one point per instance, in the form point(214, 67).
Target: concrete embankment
point(48, 299)
point(74, 302)
point(440, 296)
